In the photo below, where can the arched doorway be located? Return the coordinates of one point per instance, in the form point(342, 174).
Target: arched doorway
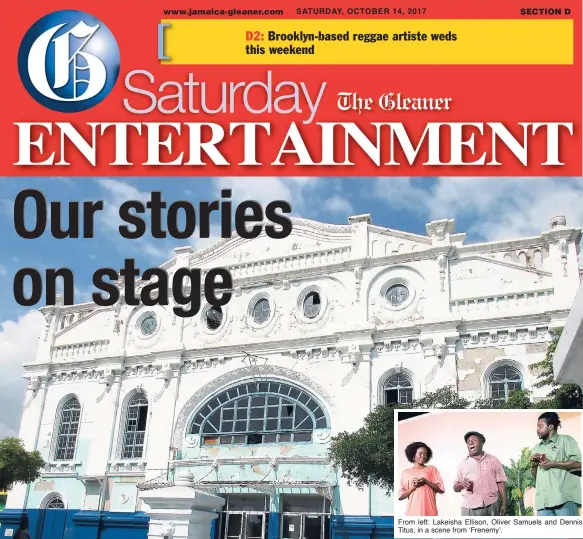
point(53, 518)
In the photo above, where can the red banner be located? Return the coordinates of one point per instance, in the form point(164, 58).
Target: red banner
point(375, 119)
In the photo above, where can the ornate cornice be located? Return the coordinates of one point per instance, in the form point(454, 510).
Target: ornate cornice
point(504, 337)
point(304, 225)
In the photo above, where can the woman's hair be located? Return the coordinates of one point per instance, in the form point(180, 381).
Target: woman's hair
point(411, 450)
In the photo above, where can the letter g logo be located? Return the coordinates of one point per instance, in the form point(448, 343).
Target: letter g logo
point(68, 61)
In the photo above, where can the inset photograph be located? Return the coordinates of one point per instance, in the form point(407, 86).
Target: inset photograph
point(488, 463)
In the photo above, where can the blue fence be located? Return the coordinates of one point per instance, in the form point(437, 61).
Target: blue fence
point(76, 524)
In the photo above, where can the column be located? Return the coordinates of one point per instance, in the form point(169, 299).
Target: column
point(180, 511)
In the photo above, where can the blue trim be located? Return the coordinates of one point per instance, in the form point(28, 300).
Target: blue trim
point(10, 517)
point(125, 520)
point(349, 526)
point(384, 527)
point(273, 525)
point(78, 524)
point(87, 518)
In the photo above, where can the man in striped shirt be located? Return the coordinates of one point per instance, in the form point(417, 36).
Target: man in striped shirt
point(481, 480)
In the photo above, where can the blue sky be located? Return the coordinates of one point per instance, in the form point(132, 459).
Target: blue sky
point(484, 208)
point(401, 203)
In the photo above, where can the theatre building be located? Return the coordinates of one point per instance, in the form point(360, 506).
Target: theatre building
point(323, 326)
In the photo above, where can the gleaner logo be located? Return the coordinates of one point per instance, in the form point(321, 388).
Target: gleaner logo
point(68, 61)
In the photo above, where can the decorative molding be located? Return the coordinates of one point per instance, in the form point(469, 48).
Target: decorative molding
point(304, 261)
point(81, 350)
point(76, 375)
point(60, 468)
point(461, 270)
point(322, 436)
point(191, 365)
point(107, 377)
point(49, 316)
point(315, 354)
point(442, 266)
point(503, 337)
point(127, 466)
point(399, 346)
point(440, 351)
point(192, 440)
point(495, 304)
point(358, 273)
point(307, 224)
point(215, 464)
point(300, 325)
point(140, 371)
point(34, 384)
point(431, 374)
point(117, 321)
point(564, 248)
point(440, 230)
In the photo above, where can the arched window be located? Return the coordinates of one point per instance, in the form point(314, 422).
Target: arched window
point(134, 435)
point(259, 413)
point(56, 502)
point(503, 381)
point(398, 389)
point(69, 419)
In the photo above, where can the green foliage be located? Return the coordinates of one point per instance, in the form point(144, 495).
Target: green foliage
point(561, 396)
point(366, 456)
point(518, 400)
point(17, 465)
point(446, 397)
point(519, 480)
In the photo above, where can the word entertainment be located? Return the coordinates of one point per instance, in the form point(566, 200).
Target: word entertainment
point(319, 144)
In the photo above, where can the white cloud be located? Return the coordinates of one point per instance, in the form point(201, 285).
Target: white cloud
point(119, 192)
point(3, 271)
point(18, 344)
point(266, 189)
point(338, 204)
point(497, 208)
point(157, 250)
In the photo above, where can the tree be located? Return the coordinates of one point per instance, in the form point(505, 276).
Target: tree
point(17, 465)
point(519, 480)
point(366, 456)
point(561, 396)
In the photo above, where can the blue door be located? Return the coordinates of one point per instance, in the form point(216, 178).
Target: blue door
point(53, 526)
point(52, 522)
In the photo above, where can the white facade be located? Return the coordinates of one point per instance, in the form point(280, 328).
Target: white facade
point(397, 311)
point(568, 356)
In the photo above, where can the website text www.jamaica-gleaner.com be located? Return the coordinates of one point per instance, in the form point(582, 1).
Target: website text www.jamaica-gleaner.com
point(191, 12)
point(303, 11)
